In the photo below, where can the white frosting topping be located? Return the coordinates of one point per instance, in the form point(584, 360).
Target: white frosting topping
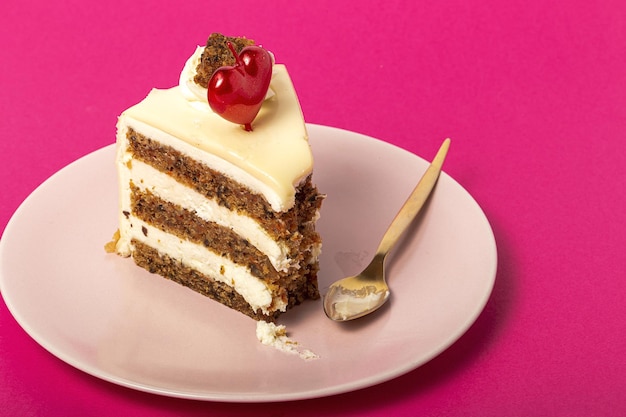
point(276, 154)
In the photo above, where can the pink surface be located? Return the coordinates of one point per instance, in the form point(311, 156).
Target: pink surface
point(533, 96)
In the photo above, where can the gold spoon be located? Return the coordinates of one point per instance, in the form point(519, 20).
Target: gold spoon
point(353, 297)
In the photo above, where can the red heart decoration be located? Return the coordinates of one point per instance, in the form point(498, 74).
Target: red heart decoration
point(237, 92)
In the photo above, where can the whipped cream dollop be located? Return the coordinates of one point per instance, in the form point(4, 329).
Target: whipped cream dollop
point(192, 92)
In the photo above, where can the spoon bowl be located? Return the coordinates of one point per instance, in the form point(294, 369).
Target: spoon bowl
point(353, 297)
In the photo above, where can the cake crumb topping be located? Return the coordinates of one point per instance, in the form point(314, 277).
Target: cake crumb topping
point(217, 54)
point(274, 335)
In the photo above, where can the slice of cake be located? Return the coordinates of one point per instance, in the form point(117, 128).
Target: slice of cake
point(225, 211)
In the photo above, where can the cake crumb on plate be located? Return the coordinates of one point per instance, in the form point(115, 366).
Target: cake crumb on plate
point(274, 335)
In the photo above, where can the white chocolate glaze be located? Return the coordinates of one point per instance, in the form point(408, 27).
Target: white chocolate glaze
point(276, 154)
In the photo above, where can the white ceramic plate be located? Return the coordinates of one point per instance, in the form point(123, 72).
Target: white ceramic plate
point(109, 318)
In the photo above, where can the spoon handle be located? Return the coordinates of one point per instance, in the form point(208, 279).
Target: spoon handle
point(414, 203)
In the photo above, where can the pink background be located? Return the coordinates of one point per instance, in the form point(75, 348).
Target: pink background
point(532, 93)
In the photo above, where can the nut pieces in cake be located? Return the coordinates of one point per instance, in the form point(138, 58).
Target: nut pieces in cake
point(237, 92)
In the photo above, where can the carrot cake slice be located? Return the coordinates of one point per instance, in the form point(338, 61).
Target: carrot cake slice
point(225, 208)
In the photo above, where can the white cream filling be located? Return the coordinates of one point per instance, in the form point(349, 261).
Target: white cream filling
point(164, 186)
